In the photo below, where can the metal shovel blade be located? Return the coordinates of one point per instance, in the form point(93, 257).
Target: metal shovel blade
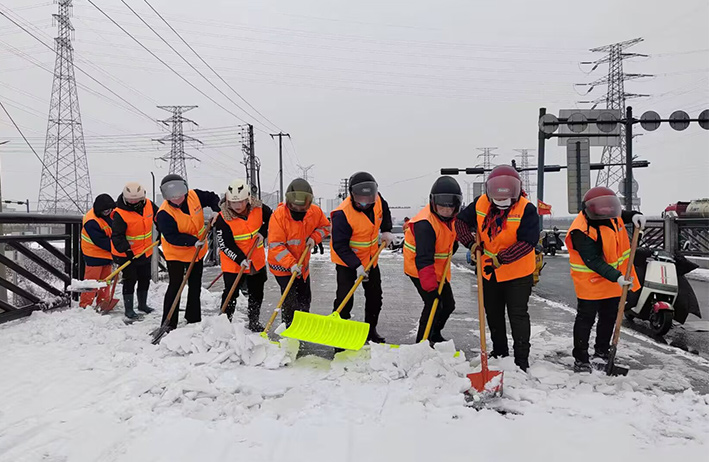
point(612, 368)
point(330, 330)
point(108, 305)
point(487, 382)
point(159, 333)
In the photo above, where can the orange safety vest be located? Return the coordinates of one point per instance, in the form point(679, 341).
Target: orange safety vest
point(590, 285)
point(287, 238)
point(244, 232)
point(139, 230)
point(445, 237)
point(192, 224)
point(504, 239)
point(365, 234)
point(88, 247)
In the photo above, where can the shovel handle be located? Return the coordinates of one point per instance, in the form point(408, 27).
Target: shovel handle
point(124, 265)
point(215, 280)
point(624, 294)
point(361, 278)
point(176, 301)
point(481, 305)
point(285, 292)
point(432, 315)
point(233, 287)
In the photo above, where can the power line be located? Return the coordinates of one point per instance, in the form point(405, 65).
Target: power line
point(210, 67)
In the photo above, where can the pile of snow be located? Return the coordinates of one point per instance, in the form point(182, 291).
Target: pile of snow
point(78, 386)
point(88, 284)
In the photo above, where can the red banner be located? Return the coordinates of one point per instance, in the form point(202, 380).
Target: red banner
point(544, 209)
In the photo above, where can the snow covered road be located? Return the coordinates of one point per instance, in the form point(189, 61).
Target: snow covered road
point(77, 386)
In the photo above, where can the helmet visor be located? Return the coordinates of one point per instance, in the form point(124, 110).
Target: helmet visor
point(447, 200)
point(603, 207)
point(365, 193)
point(300, 199)
point(173, 189)
point(503, 187)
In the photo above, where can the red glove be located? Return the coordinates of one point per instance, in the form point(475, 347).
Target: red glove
point(427, 276)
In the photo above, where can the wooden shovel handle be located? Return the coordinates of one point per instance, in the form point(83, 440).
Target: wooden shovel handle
point(361, 278)
point(233, 287)
point(307, 250)
point(432, 315)
point(481, 304)
point(624, 294)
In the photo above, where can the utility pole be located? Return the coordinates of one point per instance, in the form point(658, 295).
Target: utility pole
point(525, 156)
point(305, 170)
point(344, 188)
point(614, 156)
point(65, 185)
point(3, 272)
point(250, 161)
point(280, 159)
point(177, 138)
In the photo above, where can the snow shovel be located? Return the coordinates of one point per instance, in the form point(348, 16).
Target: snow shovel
point(611, 367)
point(486, 382)
point(233, 287)
point(165, 327)
point(215, 280)
point(264, 334)
point(107, 305)
point(331, 330)
point(104, 282)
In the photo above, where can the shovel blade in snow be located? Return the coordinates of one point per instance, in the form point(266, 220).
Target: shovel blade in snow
point(487, 383)
point(108, 305)
point(612, 368)
point(330, 330)
point(159, 333)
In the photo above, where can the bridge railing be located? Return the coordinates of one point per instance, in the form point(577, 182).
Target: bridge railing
point(39, 255)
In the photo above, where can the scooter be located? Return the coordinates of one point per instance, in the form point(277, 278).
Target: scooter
point(660, 288)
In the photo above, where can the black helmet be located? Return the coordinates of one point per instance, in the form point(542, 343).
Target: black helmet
point(173, 186)
point(102, 203)
point(446, 192)
point(363, 188)
point(299, 193)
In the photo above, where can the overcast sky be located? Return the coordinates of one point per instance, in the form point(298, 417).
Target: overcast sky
point(397, 88)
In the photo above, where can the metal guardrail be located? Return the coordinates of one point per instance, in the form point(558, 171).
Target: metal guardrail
point(41, 272)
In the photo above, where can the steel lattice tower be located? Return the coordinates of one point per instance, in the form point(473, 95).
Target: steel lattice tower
point(65, 186)
point(177, 138)
point(487, 164)
point(524, 156)
point(615, 99)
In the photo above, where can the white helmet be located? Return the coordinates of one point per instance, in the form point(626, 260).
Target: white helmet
point(133, 192)
point(238, 191)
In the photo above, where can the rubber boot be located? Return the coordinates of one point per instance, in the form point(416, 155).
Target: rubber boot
point(128, 305)
point(254, 314)
point(373, 320)
point(143, 302)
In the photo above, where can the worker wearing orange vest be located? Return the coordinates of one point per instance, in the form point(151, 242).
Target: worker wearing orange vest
point(599, 255)
point(428, 239)
point(295, 226)
point(241, 224)
point(355, 237)
point(132, 229)
point(96, 247)
point(509, 231)
point(182, 225)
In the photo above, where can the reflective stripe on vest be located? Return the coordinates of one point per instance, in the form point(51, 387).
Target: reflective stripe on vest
point(191, 223)
point(365, 234)
point(245, 231)
point(88, 247)
point(445, 239)
point(139, 229)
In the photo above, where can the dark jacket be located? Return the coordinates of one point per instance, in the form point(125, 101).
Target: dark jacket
point(591, 251)
point(342, 232)
point(225, 237)
point(168, 226)
point(119, 227)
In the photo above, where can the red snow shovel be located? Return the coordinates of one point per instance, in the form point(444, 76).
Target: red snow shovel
point(611, 367)
point(486, 382)
point(107, 305)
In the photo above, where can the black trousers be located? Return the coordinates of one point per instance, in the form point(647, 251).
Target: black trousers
point(607, 310)
point(176, 271)
point(320, 246)
point(346, 278)
point(298, 298)
point(514, 295)
point(254, 284)
point(446, 306)
point(137, 272)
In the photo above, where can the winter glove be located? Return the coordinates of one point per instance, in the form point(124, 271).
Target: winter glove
point(469, 258)
point(259, 238)
point(199, 244)
point(295, 269)
point(623, 282)
point(387, 237)
point(474, 253)
point(362, 272)
point(639, 220)
point(245, 263)
point(427, 276)
point(310, 243)
point(495, 261)
point(489, 269)
point(130, 254)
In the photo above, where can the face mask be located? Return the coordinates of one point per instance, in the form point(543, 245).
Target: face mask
point(297, 216)
point(502, 204)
